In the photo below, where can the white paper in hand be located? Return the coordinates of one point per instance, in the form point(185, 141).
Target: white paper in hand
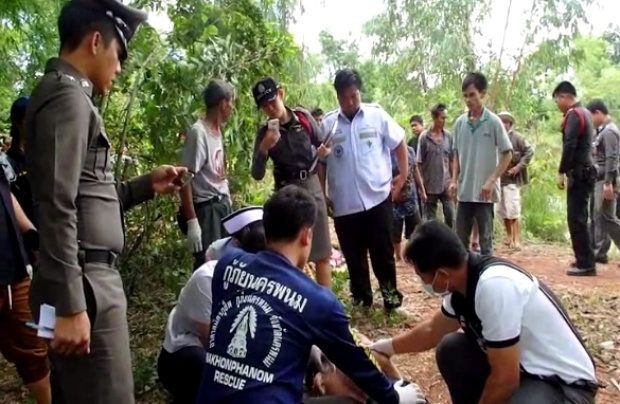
point(47, 322)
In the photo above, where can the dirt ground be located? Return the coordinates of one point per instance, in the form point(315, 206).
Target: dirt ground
point(593, 302)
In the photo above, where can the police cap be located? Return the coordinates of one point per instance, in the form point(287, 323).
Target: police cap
point(125, 19)
point(265, 90)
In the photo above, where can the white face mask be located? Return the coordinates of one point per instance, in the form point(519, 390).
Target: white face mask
point(428, 288)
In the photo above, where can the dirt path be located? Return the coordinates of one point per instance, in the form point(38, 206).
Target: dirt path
point(588, 295)
point(594, 304)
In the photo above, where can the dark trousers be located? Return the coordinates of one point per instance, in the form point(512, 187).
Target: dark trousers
point(468, 213)
point(602, 251)
point(465, 368)
point(578, 194)
point(409, 223)
point(210, 215)
point(181, 372)
point(446, 204)
point(367, 232)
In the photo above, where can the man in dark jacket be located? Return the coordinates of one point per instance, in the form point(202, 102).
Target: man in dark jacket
point(19, 344)
point(577, 174)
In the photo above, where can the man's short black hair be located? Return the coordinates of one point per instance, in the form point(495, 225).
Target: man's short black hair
point(252, 237)
point(434, 245)
point(565, 88)
point(438, 109)
point(317, 112)
point(416, 118)
point(217, 91)
point(75, 22)
point(287, 212)
point(346, 78)
point(597, 105)
point(478, 80)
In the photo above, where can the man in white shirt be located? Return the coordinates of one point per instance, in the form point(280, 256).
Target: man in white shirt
point(518, 346)
point(360, 187)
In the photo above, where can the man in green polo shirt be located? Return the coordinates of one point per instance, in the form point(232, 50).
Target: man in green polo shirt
point(482, 152)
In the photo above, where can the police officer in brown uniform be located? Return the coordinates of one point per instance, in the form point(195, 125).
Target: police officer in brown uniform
point(80, 207)
point(291, 139)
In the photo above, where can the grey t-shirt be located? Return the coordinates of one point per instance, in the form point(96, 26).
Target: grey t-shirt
point(478, 147)
point(203, 154)
point(194, 306)
point(434, 161)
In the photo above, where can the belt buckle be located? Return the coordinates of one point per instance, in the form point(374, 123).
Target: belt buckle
point(112, 257)
point(303, 175)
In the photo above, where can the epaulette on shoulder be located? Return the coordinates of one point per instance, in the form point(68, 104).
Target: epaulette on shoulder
point(330, 113)
point(373, 105)
point(65, 78)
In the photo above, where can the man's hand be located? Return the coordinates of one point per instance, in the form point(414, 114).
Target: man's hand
point(397, 185)
point(561, 181)
point(194, 236)
point(487, 190)
point(514, 170)
point(452, 188)
point(608, 192)
point(163, 179)
point(323, 151)
point(72, 334)
point(423, 196)
point(272, 136)
point(409, 393)
point(383, 346)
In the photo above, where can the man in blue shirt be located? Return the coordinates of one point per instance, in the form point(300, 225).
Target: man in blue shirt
point(267, 314)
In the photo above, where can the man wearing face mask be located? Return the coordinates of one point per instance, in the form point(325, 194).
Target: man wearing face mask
point(506, 352)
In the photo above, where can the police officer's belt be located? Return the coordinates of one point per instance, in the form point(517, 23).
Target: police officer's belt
point(300, 175)
point(583, 173)
point(98, 257)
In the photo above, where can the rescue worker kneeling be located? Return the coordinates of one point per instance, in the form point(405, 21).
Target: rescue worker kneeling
point(518, 344)
point(182, 356)
point(267, 314)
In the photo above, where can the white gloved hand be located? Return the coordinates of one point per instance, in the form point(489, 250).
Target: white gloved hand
point(410, 393)
point(383, 346)
point(194, 236)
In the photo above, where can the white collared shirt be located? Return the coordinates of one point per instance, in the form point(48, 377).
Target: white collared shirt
point(359, 168)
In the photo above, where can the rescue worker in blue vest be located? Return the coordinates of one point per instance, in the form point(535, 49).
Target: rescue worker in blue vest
point(267, 314)
point(518, 346)
point(291, 139)
point(577, 173)
point(19, 344)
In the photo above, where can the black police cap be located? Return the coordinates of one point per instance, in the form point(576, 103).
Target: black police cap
point(265, 90)
point(125, 19)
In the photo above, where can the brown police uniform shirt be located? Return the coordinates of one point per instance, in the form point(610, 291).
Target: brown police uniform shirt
point(78, 203)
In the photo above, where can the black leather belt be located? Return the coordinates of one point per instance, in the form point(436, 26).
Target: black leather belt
point(99, 257)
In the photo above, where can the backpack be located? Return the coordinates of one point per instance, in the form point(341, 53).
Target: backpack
point(580, 115)
point(305, 123)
